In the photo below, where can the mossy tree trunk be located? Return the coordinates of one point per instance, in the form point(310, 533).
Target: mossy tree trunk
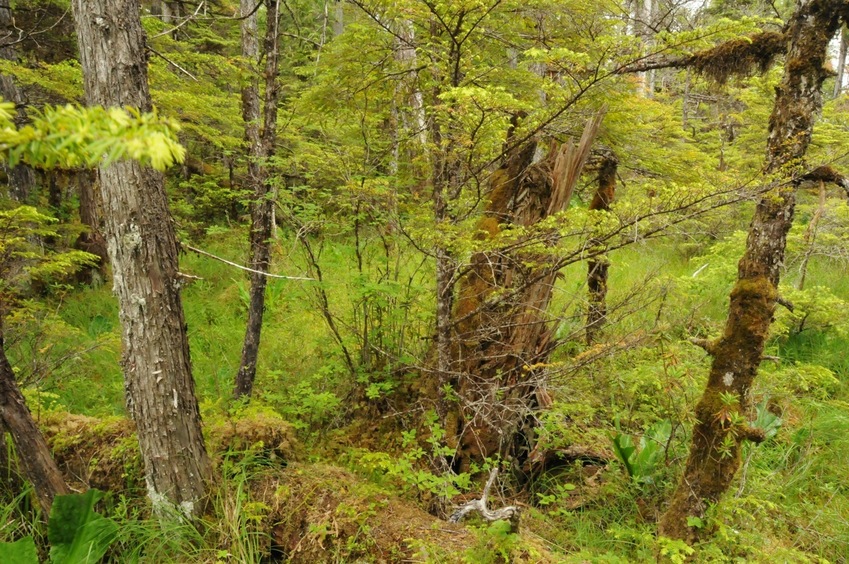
point(720, 429)
point(597, 268)
point(502, 336)
point(143, 251)
point(260, 135)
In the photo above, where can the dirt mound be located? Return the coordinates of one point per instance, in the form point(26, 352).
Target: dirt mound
point(323, 513)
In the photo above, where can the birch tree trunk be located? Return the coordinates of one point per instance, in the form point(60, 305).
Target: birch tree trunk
point(143, 251)
point(718, 434)
point(260, 143)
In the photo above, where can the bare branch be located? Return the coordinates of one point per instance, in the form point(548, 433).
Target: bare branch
point(509, 512)
point(245, 268)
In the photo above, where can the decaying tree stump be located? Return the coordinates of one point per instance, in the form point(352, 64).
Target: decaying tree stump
point(502, 337)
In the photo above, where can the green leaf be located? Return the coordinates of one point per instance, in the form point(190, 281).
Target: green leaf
point(77, 534)
point(695, 522)
point(19, 552)
point(624, 448)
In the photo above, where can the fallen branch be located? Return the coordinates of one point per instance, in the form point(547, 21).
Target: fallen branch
point(509, 512)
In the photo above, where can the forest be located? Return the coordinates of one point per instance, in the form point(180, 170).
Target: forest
point(466, 281)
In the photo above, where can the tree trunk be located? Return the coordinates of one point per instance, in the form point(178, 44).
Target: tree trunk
point(21, 177)
point(503, 335)
point(11, 482)
point(260, 146)
point(33, 454)
point(718, 434)
point(841, 62)
point(92, 240)
point(143, 252)
point(597, 267)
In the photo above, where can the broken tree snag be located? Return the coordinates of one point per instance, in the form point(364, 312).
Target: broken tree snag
point(508, 512)
point(501, 336)
point(597, 267)
point(715, 449)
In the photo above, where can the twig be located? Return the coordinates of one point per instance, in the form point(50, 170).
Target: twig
point(245, 268)
point(169, 61)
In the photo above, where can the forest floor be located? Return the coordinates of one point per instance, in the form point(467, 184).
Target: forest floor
point(309, 473)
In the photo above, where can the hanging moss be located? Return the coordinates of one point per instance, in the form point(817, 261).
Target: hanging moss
point(739, 57)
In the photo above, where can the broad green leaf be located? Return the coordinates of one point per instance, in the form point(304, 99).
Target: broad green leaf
point(19, 552)
point(77, 534)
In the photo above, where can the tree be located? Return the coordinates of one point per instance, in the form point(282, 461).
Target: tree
point(721, 413)
point(57, 137)
point(260, 134)
point(597, 267)
point(144, 257)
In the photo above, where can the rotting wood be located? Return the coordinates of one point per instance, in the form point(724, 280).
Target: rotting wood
point(502, 338)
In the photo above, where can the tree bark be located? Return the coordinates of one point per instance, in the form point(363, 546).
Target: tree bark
point(33, 453)
point(718, 434)
point(92, 240)
point(841, 62)
point(260, 146)
point(598, 267)
point(143, 251)
point(21, 177)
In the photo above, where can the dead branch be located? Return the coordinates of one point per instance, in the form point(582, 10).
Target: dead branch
point(708, 345)
point(786, 303)
point(509, 512)
point(245, 268)
point(826, 174)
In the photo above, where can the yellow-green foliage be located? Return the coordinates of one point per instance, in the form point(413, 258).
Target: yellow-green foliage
point(72, 137)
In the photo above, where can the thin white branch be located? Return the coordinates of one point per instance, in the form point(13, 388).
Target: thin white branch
point(181, 24)
point(245, 268)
